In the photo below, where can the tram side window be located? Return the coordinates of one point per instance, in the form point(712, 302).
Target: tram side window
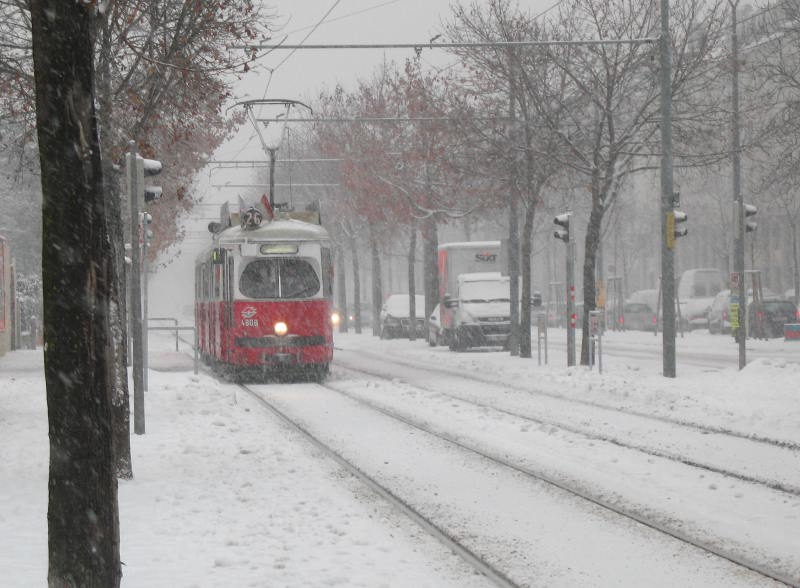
point(205, 282)
point(327, 272)
point(217, 282)
point(279, 278)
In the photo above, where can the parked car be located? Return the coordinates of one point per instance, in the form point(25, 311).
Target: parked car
point(366, 315)
point(767, 321)
point(719, 314)
point(395, 317)
point(638, 316)
point(719, 320)
point(435, 333)
point(696, 291)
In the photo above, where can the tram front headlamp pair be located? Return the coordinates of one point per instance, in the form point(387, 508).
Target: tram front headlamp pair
point(335, 319)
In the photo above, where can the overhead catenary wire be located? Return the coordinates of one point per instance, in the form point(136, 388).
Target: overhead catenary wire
point(311, 32)
point(446, 45)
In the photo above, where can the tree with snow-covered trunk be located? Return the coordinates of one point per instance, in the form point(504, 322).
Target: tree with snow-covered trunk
point(83, 522)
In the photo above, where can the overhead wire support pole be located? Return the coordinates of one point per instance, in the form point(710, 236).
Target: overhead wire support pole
point(137, 350)
point(738, 201)
point(667, 241)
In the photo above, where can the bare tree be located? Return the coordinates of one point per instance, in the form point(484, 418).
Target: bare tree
point(775, 70)
point(608, 99)
point(514, 161)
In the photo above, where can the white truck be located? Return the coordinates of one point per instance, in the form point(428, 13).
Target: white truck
point(478, 311)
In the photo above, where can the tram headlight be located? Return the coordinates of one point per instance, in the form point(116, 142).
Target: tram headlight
point(281, 329)
point(335, 318)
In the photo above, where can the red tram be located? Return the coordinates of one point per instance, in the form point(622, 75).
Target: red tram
point(263, 297)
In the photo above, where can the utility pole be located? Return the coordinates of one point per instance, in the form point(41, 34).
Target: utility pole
point(562, 233)
point(137, 350)
point(145, 294)
point(738, 203)
point(513, 221)
point(271, 152)
point(667, 198)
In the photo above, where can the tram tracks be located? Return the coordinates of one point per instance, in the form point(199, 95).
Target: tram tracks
point(479, 564)
point(477, 561)
point(588, 432)
point(703, 428)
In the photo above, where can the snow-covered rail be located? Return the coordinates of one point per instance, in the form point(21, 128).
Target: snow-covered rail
point(406, 368)
point(536, 528)
point(495, 576)
point(720, 547)
point(769, 463)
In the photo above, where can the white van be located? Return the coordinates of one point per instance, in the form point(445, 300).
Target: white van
point(480, 312)
point(696, 291)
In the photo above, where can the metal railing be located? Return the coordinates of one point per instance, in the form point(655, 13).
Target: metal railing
point(166, 318)
point(177, 328)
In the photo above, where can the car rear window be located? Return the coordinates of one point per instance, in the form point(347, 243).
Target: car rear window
point(779, 307)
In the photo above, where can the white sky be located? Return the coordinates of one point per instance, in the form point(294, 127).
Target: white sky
point(306, 72)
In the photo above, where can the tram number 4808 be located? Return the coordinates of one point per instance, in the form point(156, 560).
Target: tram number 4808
point(250, 322)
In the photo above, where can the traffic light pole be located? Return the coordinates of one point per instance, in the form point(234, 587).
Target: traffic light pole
point(145, 330)
point(137, 350)
point(570, 302)
point(738, 202)
point(667, 198)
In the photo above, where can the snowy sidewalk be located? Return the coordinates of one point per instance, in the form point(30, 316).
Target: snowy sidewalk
point(222, 496)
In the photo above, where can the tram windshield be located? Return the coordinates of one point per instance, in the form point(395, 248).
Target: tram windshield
point(279, 278)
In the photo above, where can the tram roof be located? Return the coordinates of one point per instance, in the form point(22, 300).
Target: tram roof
point(276, 230)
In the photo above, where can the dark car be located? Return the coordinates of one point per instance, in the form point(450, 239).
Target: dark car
point(766, 320)
point(395, 317)
point(365, 315)
point(638, 316)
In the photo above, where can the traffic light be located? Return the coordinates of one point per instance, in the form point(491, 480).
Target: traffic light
point(681, 217)
point(750, 225)
point(562, 222)
point(144, 168)
point(675, 219)
point(146, 219)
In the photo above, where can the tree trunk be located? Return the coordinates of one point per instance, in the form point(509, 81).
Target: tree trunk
point(430, 261)
point(412, 284)
point(377, 288)
point(589, 292)
point(117, 310)
point(83, 526)
point(357, 286)
point(341, 286)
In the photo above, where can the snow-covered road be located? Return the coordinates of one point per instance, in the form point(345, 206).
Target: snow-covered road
point(700, 505)
point(225, 495)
